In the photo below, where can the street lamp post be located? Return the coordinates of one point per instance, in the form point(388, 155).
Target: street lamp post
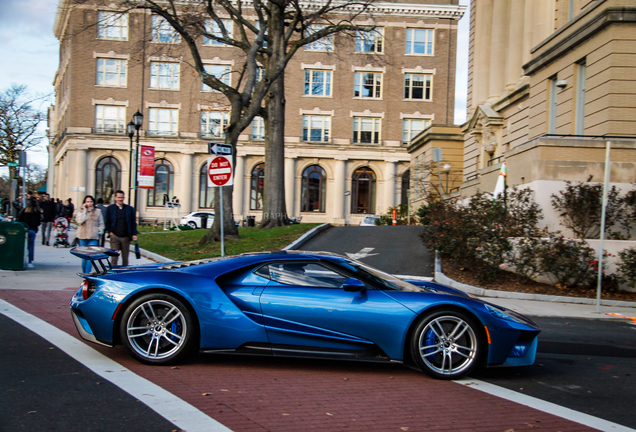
point(130, 131)
point(133, 129)
point(446, 170)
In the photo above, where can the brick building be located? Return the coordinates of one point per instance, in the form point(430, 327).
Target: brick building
point(353, 104)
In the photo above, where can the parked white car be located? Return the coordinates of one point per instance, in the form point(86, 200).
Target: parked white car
point(195, 219)
point(369, 221)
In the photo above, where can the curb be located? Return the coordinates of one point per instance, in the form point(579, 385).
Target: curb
point(481, 292)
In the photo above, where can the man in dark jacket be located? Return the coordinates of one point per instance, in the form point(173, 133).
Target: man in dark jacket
point(48, 216)
point(122, 227)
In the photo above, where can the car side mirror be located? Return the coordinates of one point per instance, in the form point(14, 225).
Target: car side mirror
point(353, 285)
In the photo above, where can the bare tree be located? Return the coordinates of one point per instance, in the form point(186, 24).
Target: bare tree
point(19, 121)
point(268, 33)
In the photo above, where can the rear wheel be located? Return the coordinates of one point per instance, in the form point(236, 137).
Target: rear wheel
point(446, 344)
point(157, 329)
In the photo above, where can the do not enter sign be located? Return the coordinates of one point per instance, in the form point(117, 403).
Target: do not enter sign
point(219, 171)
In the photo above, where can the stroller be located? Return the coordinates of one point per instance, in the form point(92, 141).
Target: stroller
point(61, 237)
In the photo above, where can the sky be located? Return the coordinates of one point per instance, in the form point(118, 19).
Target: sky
point(30, 54)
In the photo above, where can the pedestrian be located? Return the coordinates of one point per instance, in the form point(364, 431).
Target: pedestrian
point(100, 205)
point(31, 216)
point(48, 217)
point(58, 208)
point(71, 211)
point(17, 206)
point(121, 226)
point(90, 227)
point(66, 212)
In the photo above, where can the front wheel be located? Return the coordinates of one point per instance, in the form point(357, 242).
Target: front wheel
point(157, 329)
point(192, 224)
point(446, 344)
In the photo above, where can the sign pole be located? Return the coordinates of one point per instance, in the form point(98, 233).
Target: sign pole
point(222, 220)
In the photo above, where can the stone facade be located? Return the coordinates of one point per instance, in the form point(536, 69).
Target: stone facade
point(107, 72)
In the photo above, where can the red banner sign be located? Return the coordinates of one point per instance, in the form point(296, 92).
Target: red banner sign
point(147, 167)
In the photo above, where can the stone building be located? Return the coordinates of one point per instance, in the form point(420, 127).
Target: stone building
point(353, 106)
point(550, 82)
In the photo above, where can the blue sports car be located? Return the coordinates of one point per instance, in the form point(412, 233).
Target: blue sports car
point(290, 303)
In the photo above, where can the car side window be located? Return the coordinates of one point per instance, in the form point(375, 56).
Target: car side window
point(305, 274)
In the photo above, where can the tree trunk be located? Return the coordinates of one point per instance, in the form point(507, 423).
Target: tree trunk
point(274, 209)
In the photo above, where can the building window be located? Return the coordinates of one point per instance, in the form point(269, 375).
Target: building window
point(257, 185)
point(317, 83)
point(258, 129)
point(111, 72)
point(206, 194)
point(323, 44)
point(213, 123)
point(418, 87)
point(163, 32)
point(163, 121)
point(370, 41)
point(313, 191)
point(164, 76)
point(107, 179)
point(363, 196)
point(366, 130)
point(213, 29)
point(222, 73)
point(406, 186)
point(552, 105)
point(110, 119)
point(579, 122)
point(164, 184)
point(412, 127)
point(419, 41)
point(112, 25)
point(368, 85)
point(316, 128)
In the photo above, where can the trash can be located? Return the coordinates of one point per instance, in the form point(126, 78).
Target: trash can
point(14, 237)
point(251, 221)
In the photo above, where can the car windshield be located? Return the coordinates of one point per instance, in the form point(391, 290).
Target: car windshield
point(379, 277)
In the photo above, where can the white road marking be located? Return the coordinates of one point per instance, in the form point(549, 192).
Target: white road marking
point(547, 407)
point(362, 253)
point(169, 406)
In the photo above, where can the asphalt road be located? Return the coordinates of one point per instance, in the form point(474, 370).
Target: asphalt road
point(49, 391)
point(585, 365)
point(394, 249)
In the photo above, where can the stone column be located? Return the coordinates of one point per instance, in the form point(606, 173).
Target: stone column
point(80, 177)
point(498, 49)
point(239, 186)
point(390, 168)
point(188, 183)
point(290, 183)
point(514, 55)
point(481, 47)
point(339, 188)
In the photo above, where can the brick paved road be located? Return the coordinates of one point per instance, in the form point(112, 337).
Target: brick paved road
point(264, 394)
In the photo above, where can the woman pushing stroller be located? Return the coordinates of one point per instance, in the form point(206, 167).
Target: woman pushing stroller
point(91, 226)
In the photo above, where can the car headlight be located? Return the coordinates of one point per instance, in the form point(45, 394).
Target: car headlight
point(501, 314)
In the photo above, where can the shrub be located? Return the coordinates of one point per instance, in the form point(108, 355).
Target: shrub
point(401, 213)
point(626, 267)
point(570, 262)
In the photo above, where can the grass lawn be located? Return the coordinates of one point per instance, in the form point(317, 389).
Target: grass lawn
point(184, 245)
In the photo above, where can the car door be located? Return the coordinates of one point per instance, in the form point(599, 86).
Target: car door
point(306, 311)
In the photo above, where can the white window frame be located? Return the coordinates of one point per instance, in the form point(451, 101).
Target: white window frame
point(407, 129)
point(213, 28)
point(157, 71)
point(223, 75)
point(112, 25)
point(221, 120)
point(310, 81)
point(427, 86)
point(118, 69)
point(163, 32)
point(552, 105)
point(155, 123)
point(358, 128)
point(420, 36)
point(110, 119)
point(579, 119)
point(324, 123)
point(374, 36)
point(257, 131)
point(358, 85)
point(323, 44)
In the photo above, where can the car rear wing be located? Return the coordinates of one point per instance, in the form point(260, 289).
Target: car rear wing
point(98, 256)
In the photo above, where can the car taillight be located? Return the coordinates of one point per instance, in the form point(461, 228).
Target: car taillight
point(88, 288)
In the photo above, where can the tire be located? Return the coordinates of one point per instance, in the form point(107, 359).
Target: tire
point(157, 329)
point(193, 224)
point(447, 344)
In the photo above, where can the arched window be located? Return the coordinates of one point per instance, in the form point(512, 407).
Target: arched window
point(363, 196)
point(406, 185)
point(313, 190)
point(164, 184)
point(257, 183)
point(107, 179)
point(206, 194)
